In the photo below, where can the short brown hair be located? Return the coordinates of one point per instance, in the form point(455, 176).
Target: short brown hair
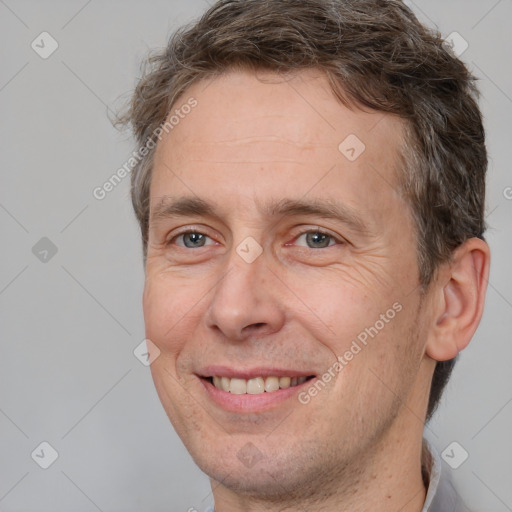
point(376, 56)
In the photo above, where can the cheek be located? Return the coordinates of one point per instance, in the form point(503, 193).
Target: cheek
point(339, 309)
point(366, 330)
point(170, 310)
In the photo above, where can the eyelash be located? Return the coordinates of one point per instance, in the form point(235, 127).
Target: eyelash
point(308, 231)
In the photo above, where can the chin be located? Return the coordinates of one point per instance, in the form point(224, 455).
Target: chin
point(263, 481)
point(249, 472)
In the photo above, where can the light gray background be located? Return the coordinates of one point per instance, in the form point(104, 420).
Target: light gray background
point(69, 326)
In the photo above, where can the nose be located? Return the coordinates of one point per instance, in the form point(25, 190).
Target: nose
point(245, 302)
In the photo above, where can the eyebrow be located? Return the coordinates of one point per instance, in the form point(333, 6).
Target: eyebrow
point(181, 207)
point(327, 209)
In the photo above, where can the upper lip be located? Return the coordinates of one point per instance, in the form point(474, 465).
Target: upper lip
point(250, 373)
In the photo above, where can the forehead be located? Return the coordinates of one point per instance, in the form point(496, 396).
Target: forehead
point(250, 103)
point(254, 133)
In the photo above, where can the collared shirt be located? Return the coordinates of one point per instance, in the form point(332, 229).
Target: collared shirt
point(441, 494)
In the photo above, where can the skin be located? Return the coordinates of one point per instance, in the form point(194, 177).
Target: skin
point(356, 445)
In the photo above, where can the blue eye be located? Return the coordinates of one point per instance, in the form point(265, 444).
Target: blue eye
point(317, 239)
point(192, 239)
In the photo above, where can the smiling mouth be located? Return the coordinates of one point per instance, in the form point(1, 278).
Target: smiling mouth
point(257, 385)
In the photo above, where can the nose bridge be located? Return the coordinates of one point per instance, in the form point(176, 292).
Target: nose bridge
point(244, 300)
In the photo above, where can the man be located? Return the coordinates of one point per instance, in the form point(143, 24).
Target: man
point(310, 193)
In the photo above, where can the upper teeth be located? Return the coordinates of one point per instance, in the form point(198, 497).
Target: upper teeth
point(257, 385)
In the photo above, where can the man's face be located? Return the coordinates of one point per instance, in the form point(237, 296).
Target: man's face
point(265, 288)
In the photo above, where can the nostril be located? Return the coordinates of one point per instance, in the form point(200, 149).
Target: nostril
point(255, 327)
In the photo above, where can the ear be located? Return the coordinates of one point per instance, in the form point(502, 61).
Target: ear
point(458, 301)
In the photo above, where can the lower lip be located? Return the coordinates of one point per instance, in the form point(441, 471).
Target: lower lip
point(252, 403)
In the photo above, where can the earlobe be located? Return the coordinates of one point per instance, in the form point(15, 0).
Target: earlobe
point(459, 300)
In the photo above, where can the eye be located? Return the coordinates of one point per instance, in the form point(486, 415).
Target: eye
point(191, 239)
point(317, 239)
